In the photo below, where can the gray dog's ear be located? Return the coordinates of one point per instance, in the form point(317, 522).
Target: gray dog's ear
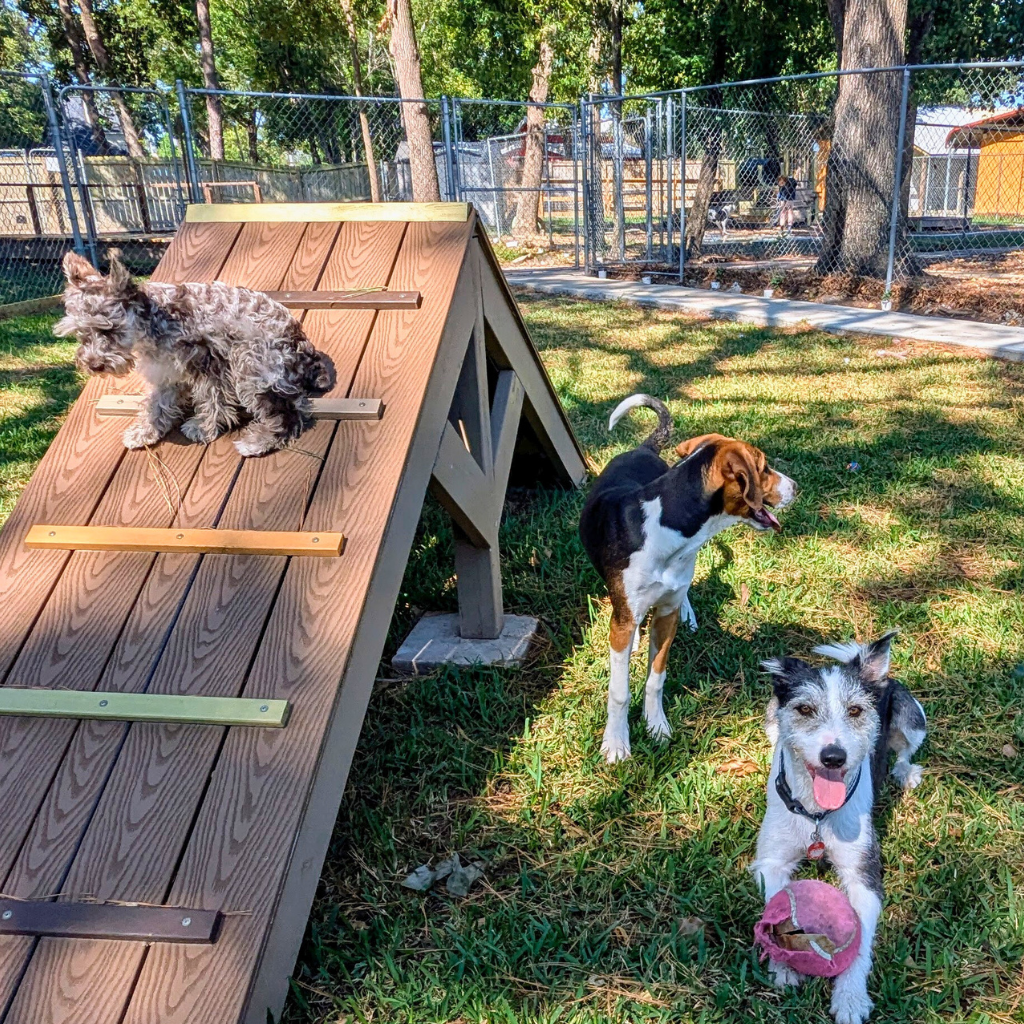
point(77, 269)
point(119, 280)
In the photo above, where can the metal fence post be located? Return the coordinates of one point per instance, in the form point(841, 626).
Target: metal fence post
point(188, 142)
point(682, 184)
point(174, 156)
point(897, 188)
point(449, 155)
point(62, 165)
point(585, 176)
point(669, 133)
point(576, 188)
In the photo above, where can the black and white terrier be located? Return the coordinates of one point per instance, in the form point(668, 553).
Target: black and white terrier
point(719, 214)
point(212, 355)
point(832, 729)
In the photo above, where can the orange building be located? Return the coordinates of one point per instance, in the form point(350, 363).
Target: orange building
point(999, 142)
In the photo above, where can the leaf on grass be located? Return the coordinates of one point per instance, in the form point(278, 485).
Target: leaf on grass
point(739, 766)
point(690, 926)
point(1009, 750)
point(421, 879)
point(744, 595)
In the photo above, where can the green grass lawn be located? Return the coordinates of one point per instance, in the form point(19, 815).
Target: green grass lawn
point(621, 893)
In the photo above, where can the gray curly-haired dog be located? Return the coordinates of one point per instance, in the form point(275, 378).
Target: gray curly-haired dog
point(223, 354)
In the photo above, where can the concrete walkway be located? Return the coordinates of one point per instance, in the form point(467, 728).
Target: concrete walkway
point(992, 339)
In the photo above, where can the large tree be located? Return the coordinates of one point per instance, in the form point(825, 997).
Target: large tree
point(862, 154)
point(357, 84)
point(524, 226)
point(406, 56)
point(208, 62)
point(98, 49)
point(77, 46)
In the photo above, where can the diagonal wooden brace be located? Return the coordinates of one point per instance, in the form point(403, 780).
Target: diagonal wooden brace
point(469, 479)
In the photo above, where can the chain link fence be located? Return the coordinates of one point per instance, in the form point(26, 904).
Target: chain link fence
point(284, 148)
point(889, 175)
point(896, 175)
point(519, 164)
point(38, 218)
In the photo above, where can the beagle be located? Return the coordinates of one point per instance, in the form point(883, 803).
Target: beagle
point(642, 526)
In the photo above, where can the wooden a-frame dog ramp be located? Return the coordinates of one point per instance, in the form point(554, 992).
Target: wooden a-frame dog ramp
point(180, 587)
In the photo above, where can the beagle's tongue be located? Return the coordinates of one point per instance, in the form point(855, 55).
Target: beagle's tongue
point(765, 518)
point(829, 788)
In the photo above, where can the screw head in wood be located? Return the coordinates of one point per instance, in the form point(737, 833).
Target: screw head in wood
point(180, 536)
point(103, 703)
point(316, 540)
point(53, 533)
point(264, 707)
point(7, 915)
point(186, 921)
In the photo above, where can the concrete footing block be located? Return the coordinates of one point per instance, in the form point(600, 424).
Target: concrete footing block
point(435, 641)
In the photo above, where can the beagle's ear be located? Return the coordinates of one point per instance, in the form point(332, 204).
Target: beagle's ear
point(738, 463)
point(77, 269)
point(689, 446)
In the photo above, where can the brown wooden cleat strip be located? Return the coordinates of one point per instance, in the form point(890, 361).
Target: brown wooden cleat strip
point(358, 298)
point(68, 920)
point(322, 408)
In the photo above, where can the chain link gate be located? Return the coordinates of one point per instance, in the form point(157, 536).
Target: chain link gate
point(38, 218)
point(518, 163)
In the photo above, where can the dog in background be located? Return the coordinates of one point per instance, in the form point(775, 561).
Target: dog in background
point(642, 526)
point(719, 214)
point(833, 729)
point(222, 354)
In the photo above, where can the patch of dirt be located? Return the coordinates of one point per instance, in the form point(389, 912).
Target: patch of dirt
point(989, 289)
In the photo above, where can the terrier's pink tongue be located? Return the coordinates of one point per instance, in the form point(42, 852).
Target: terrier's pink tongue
point(829, 788)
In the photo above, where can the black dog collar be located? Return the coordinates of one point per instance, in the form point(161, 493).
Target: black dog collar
point(794, 806)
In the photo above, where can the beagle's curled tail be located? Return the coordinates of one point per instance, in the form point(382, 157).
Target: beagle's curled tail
point(660, 435)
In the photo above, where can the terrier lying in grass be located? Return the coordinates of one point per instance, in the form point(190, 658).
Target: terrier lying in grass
point(833, 729)
point(224, 354)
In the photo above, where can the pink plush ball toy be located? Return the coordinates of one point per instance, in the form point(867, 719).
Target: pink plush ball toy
point(810, 927)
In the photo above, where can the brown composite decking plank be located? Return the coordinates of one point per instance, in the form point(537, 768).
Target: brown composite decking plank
point(72, 476)
point(259, 256)
point(78, 625)
point(158, 780)
point(66, 650)
point(68, 805)
point(240, 847)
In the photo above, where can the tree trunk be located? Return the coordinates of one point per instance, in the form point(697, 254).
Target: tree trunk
point(525, 224)
point(77, 46)
point(406, 56)
point(214, 114)
point(711, 133)
point(357, 82)
point(99, 54)
point(252, 134)
point(837, 18)
point(862, 158)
